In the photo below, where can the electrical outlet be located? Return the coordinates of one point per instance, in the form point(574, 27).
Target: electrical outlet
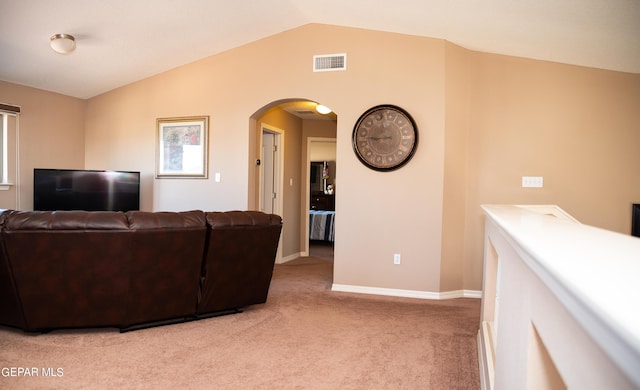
point(396, 258)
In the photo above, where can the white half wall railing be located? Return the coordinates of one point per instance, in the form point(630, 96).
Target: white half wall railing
point(560, 305)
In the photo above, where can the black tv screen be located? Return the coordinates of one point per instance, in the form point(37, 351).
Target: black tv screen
point(71, 189)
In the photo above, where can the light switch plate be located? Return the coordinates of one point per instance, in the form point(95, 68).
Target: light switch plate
point(532, 181)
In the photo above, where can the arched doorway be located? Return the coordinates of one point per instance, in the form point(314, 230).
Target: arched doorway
point(291, 122)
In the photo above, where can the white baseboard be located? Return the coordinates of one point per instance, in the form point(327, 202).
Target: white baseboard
point(407, 293)
point(486, 357)
point(289, 258)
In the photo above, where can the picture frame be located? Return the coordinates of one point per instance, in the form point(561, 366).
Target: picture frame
point(182, 147)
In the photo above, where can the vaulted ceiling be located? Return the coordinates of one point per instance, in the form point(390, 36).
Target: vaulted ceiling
point(122, 41)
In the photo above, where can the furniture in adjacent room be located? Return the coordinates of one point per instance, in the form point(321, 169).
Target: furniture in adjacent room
point(559, 304)
point(320, 201)
point(321, 176)
point(322, 225)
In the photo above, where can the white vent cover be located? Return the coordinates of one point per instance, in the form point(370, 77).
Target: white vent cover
point(329, 62)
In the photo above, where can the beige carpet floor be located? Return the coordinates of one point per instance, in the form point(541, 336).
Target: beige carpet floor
point(304, 337)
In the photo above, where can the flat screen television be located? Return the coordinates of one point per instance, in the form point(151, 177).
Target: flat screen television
point(73, 189)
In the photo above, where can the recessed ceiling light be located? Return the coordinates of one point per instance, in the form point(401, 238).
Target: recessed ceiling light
point(323, 109)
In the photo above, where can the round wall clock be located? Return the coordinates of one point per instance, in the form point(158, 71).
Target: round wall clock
point(385, 137)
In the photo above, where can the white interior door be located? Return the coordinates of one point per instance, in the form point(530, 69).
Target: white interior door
point(268, 172)
point(271, 176)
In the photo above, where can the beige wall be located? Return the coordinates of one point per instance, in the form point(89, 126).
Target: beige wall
point(322, 150)
point(457, 94)
point(383, 213)
point(484, 120)
point(577, 127)
point(51, 135)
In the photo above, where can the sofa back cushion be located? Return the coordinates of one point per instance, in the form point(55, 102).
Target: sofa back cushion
point(239, 259)
point(167, 250)
point(70, 268)
point(66, 220)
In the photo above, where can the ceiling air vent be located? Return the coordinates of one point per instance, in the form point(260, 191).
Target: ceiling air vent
point(329, 62)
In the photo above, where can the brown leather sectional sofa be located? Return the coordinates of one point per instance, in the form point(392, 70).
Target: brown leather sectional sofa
point(78, 269)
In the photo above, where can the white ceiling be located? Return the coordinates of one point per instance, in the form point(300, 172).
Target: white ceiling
point(121, 41)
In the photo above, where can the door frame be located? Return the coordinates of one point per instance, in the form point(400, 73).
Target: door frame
point(307, 180)
point(278, 169)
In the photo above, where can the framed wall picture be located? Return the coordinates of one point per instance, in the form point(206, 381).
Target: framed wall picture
point(182, 149)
